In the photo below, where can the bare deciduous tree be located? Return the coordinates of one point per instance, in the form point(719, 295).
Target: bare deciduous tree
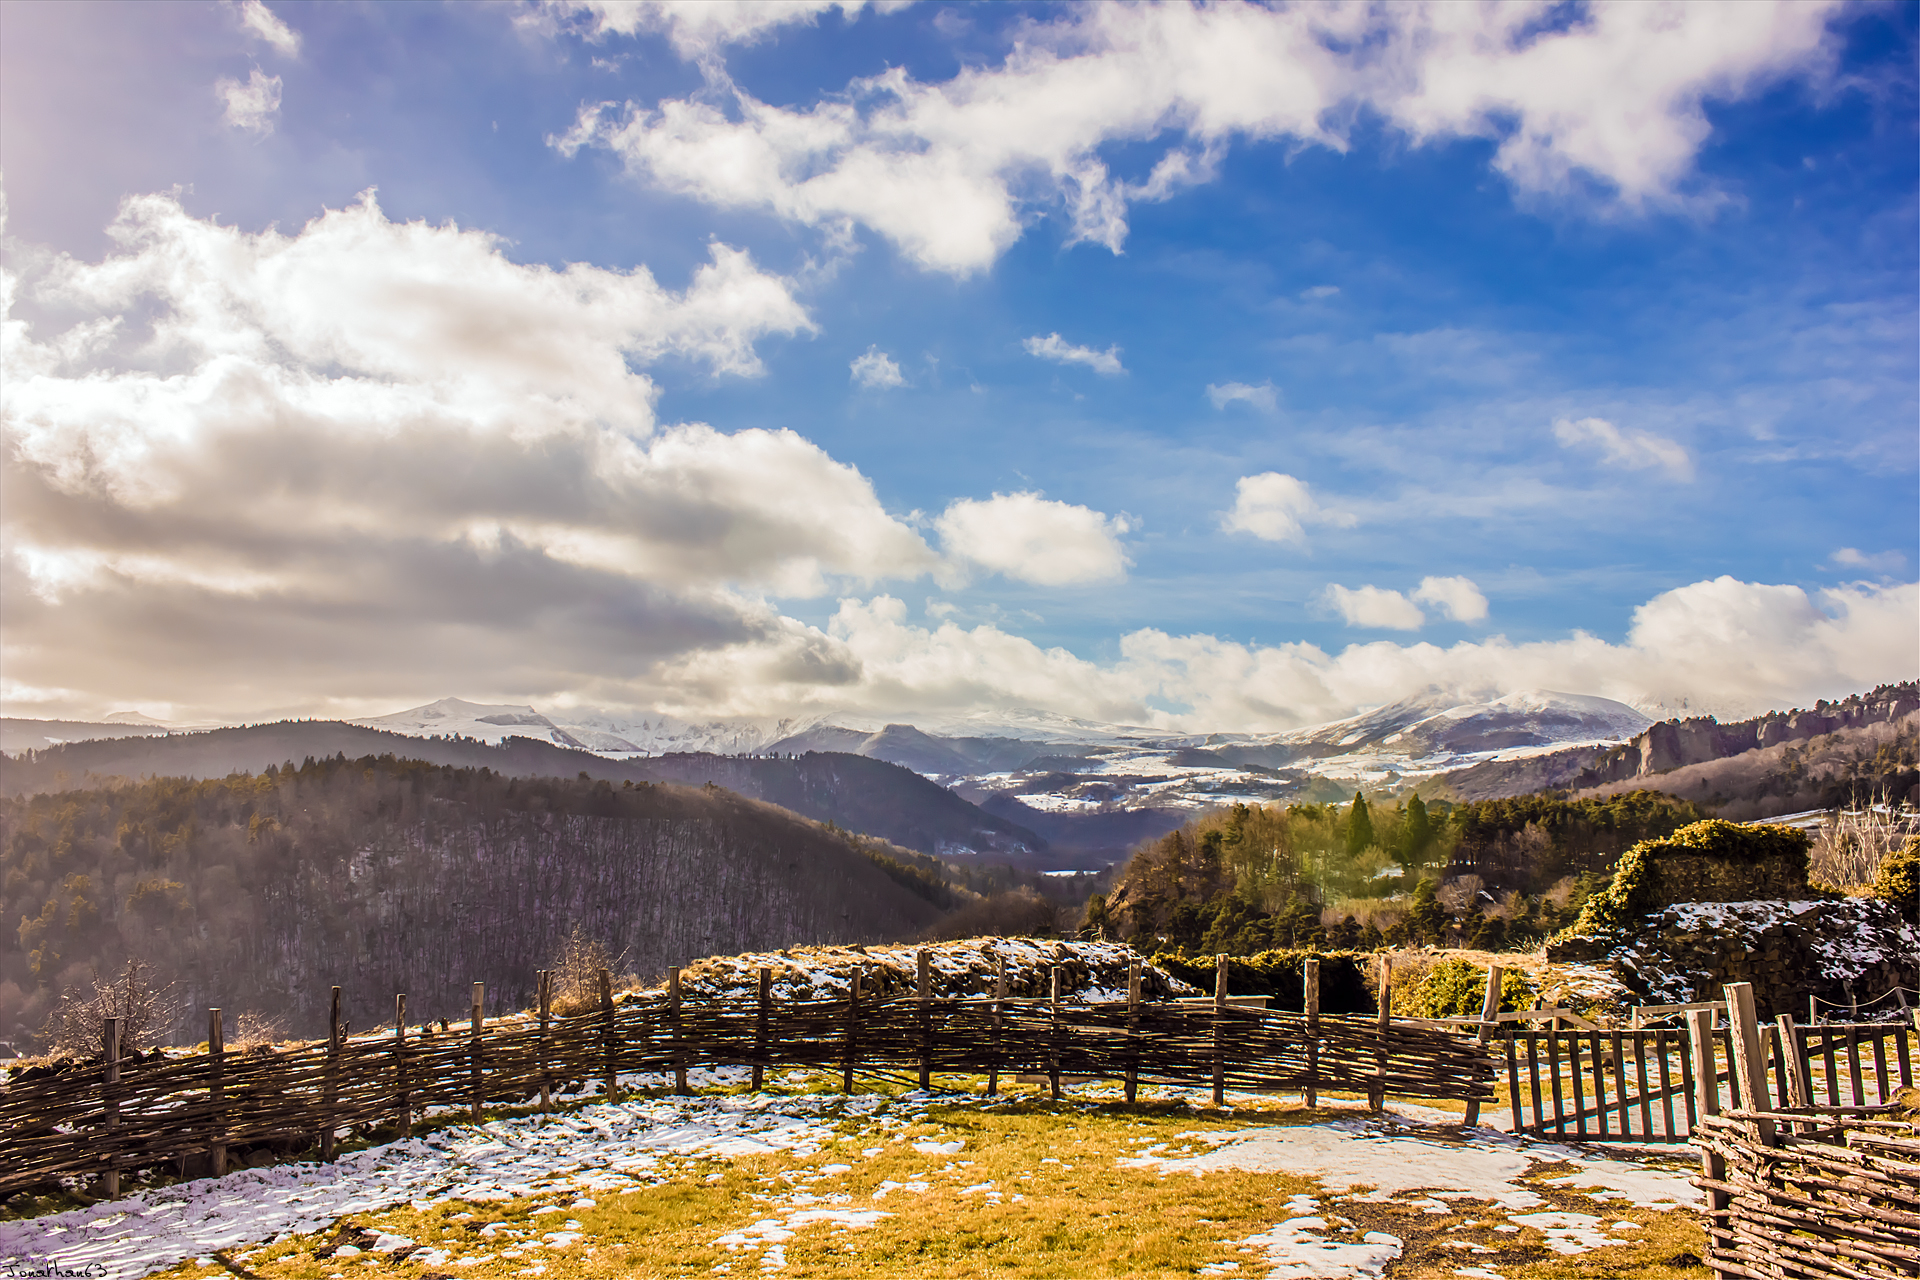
point(76, 1023)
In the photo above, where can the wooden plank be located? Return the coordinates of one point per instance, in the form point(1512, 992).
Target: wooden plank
point(216, 1093)
point(1310, 1002)
point(760, 1027)
point(1513, 1085)
point(1859, 1096)
point(923, 991)
point(1666, 1081)
point(402, 1104)
point(1880, 1065)
point(1748, 1063)
point(1579, 1093)
point(476, 1019)
point(1686, 1076)
point(1553, 1072)
point(1640, 1074)
point(1906, 1063)
point(1219, 1030)
point(1704, 1099)
point(1489, 1009)
point(1533, 1075)
point(1133, 1020)
point(1793, 1067)
point(1833, 1075)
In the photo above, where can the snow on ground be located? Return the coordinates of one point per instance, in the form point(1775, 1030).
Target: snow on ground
point(1413, 1157)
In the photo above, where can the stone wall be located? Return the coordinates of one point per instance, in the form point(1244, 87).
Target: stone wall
point(1695, 878)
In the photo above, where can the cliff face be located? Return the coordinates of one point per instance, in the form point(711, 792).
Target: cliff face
point(1675, 744)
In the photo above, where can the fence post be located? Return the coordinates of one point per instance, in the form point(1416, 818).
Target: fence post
point(1053, 1034)
point(760, 1029)
point(673, 1022)
point(110, 1035)
point(1706, 1100)
point(332, 1082)
point(1133, 1029)
point(216, 1093)
point(853, 1031)
point(1489, 1010)
point(1749, 1066)
point(610, 1042)
point(1310, 1001)
point(1793, 1063)
point(544, 1002)
point(922, 993)
point(1220, 1030)
point(1377, 1091)
point(402, 1099)
point(476, 1018)
point(999, 1007)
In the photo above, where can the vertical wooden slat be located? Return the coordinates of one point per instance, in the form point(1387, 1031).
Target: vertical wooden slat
point(1553, 1072)
point(1881, 1090)
point(679, 1051)
point(1579, 1090)
point(1793, 1066)
point(1686, 1077)
point(1220, 1030)
point(402, 1098)
point(923, 991)
point(1133, 1027)
point(1748, 1063)
point(1377, 1089)
point(110, 1034)
point(1533, 1076)
point(544, 998)
point(1859, 1096)
point(999, 1011)
point(1833, 1074)
point(610, 1039)
point(1489, 1009)
point(476, 1021)
point(1513, 1083)
point(853, 1031)
point(1705, 1098)
point(1599, 1083)
point(1053, 1033)
point(1640, 1075)
point(1666, 1082)
point(216, 1093)
point(1310, 1002)
point(760, 1028)
point(1906, 1063)
point(331, 1085)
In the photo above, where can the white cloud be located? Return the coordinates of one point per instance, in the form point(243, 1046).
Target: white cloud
point(696, 28)
point(1372, 606)
point(876, 369)
point(950, 171)
point(1881, 562)
point(1054, 347)
point(1734, 646)
point(1226, 393)
point(337, 459)
point(1278, 508)
point(1458, 598)
point(1636, 450)
point(1035, 539)
point(253, 105)
point(1319, 292)
point(263, 22)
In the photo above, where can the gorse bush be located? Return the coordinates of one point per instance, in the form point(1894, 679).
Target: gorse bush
point(1636, 890)
point(1458, 989)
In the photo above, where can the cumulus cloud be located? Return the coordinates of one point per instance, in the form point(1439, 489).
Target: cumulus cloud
point(1035, 539)
point(1054, 347)
point(1854, 558)
point(876, 369)
point(1278, 508)
point(1635, 450)
point(251, 105)
point(697, 29)
point(1458, 598)
point(1378, 607)
point(950, 171)
point(336, 458)
point(1226, 393)
point(259, 21)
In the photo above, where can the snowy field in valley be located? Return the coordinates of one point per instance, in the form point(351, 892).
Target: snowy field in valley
point(1411, 1159)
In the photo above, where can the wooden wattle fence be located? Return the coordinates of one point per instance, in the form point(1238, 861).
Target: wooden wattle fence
point(178, 1110)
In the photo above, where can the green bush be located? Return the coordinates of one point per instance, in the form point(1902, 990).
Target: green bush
point(1899, 879)
point(1457, 989)
point(1636, 891)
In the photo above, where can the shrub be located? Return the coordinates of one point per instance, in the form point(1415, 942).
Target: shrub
point(1636, 892)
point(75, 1025)
point(1457, 989)
point(576, 973)
point(1281, 974)
point(1898, 880)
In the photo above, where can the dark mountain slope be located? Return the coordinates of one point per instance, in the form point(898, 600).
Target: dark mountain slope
point(859, 794)
point(384, 876)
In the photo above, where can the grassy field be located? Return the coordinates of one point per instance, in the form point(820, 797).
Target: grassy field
point(1021, 1186)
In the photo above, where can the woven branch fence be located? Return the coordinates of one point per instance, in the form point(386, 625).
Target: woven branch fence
point(1799, 1191)
point(124, 1115)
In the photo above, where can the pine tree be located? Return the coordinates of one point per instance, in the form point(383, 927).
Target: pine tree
point(1359, 826)
point(1415, 834)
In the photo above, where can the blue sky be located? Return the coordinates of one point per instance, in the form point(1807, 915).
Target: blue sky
point(1568, 347)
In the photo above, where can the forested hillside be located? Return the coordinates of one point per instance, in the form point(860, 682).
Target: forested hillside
point(865, 795)
point(1249, 878)
point(385, 875)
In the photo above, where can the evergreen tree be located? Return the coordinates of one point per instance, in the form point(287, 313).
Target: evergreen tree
point(1416, 833)
point(1426, 921)
point(1359, 826)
